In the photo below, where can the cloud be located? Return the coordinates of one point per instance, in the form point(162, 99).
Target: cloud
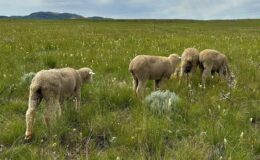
point(167, 9)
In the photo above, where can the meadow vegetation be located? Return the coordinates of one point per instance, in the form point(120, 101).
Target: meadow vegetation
point(206, 124)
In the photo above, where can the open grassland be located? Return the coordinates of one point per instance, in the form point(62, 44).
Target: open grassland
point(208, 124)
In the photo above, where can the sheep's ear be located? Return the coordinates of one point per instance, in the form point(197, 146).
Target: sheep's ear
point(92, 73)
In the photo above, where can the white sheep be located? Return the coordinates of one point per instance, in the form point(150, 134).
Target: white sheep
point(189, 63)
point(147, 67)
point(54, 86)
point(211, 62)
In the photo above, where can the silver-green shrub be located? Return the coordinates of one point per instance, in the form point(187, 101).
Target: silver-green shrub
point(162, 101)
point(27, 78)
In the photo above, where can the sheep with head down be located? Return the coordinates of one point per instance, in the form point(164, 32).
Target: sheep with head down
point(147, 67)
point(211, 62)
point(54, 86)
point(189, 63)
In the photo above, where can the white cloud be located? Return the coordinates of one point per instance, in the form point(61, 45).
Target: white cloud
point(189, 9)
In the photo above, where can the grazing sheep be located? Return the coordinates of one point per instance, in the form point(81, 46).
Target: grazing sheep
point(157, 68)
point(212, 61)
point(189, 63)
point(54, 86)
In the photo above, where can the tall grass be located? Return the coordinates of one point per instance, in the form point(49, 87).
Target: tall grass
point(216, 123)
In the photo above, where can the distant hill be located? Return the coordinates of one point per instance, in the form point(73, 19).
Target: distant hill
point(53, 15)
point(3, 17)
point(98, 18)
point(47, 15)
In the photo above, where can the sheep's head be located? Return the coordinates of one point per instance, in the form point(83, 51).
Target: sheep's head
point(86, 74)
point(175, 59)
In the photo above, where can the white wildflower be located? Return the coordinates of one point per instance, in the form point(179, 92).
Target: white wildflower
point(54, 144)
point(225, 141)
point(242, 134)
point(169, 131)
point(203, 133)
point(113, 139)
point(224, 111)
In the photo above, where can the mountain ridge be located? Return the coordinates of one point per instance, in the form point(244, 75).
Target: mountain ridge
point(52, 15)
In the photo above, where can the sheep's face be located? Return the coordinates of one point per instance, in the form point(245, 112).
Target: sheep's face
point(86, 75)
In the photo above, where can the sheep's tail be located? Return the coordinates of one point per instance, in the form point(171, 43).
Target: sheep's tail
point(34, 88)
point(35, 94)
point(132, 72)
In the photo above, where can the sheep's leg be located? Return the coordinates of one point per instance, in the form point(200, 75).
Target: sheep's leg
point(156, 85)
point(201, 68)
point(48, 113)
point(62, 104)
point(205, 74)
point(177, 73)
point(34, 101)
point(181, 75)
point(187, 78)
point(58, 107)
point(53, 110)
point(194, 68)
point(161, 82)
point(135, 84)
point(189, 75)
point(140, 88)
point(221, 73)
point(77, 98)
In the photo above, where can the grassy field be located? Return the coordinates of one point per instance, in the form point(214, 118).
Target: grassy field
point(209, 124)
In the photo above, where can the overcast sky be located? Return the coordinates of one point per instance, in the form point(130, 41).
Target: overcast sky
point(147, 9)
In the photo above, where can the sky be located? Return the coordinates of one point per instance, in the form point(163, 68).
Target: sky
point(139, 9)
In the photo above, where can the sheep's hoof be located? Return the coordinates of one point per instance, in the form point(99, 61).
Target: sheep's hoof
point(28, 138)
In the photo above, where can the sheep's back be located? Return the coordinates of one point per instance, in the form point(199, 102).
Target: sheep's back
point(61, 81)
point(149, 67)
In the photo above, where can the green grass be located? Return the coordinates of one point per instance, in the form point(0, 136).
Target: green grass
point(113, 123)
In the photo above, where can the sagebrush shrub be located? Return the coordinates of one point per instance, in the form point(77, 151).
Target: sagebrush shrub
point(27, 78)
point(162, 101)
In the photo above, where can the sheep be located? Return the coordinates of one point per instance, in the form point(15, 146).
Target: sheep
point(212, 61)
point(54, 86)
point(189, 63)
point(147, 67)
